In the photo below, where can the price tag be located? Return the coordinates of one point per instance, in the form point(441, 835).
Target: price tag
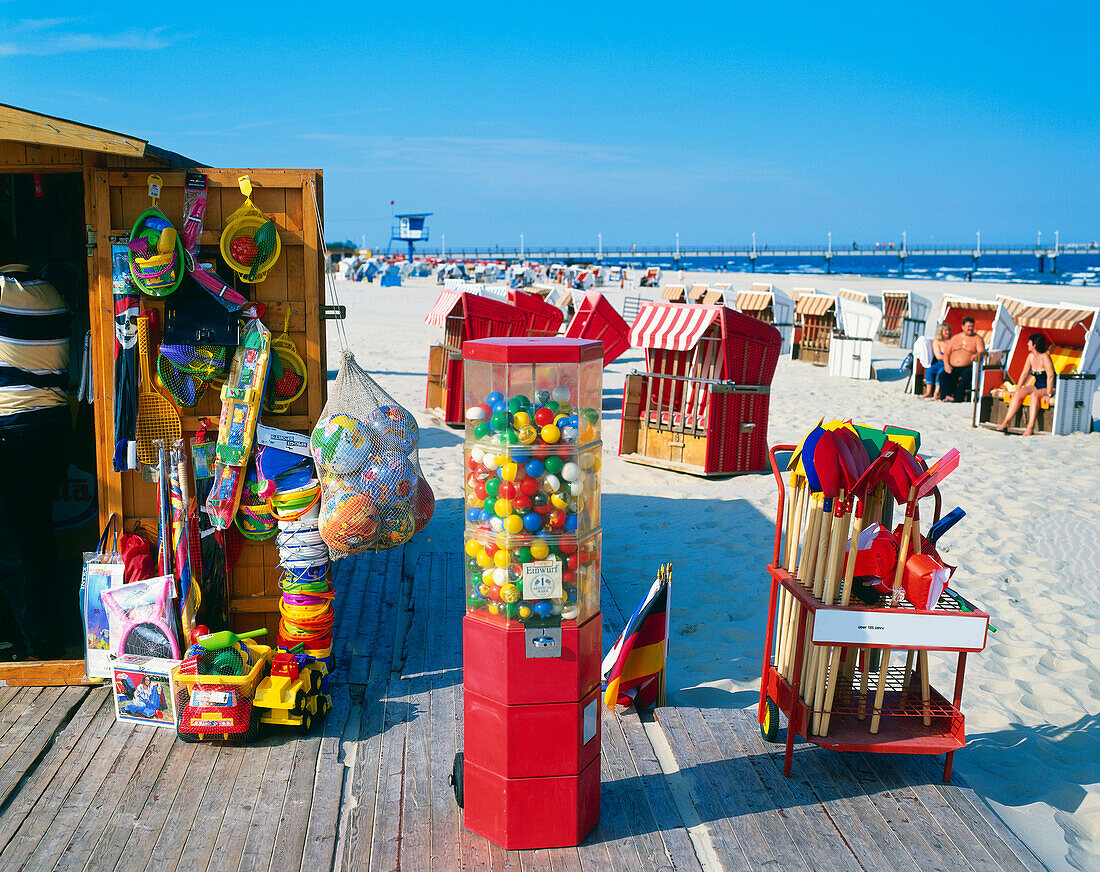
point(542, 579)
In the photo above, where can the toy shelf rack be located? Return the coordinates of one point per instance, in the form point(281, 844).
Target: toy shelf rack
point(908, 724)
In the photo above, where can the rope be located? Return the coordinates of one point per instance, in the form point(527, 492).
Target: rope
point(330, 278)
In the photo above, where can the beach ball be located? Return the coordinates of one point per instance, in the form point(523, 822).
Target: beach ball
point(396, 526)
point(348, 522)
point(423, 504)
point(339, 444)
point(392, 474)
point(394, 428)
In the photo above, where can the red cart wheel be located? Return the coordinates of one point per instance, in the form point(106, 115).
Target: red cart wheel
point(770, 728)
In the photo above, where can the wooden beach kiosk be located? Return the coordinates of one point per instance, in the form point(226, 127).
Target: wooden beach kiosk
point(815, 319)
point(904, 314)
point(769, 304)
point(74, 189)
point(701, 406)
point(853, 341)
point(1073, 342)
point(463, 316)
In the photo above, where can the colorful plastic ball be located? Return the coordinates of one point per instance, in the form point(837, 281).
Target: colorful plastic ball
point(484, 560)
point(544, 416)
point(494, 397)
point(550, 434)
point(349, 522)
point(500, 576)
point(540, 550)
point(526, 434)
point(540, 396)
point(551, 483)
point(560, 394)
point(554, 464)
point(521, 502)
point(570, 523)
point(500, 421)
point(339, 444)
point(521, 418)
point(554, 406)
point(556, 519)
point(477, 413)
point(472, 515)
point(473, 547)
point(570, 471)
point(524, 611)
point(569, 434)
point(517, 404)
point(496, 524)
point(558, 501)
point(532, 521)
point(490, 462)
point(534, 467)
point(523, 554)
point(509, 593)
point(502, 558)
point(481, 430)
point(513, 524)
point(393, 428)
point(529, 486)
point(491, 486)
point(508, 471)
point(397, 525)
point(567, 545)
point(502, 508)
point(542, 607)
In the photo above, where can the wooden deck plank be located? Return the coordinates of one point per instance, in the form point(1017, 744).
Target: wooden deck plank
point(693, 766)
point(212, 839)
point(25, 723)
point(104, 851)
point(41, 794)
point(8, 693)
point(243, 799)
point(987, 828)
point(194, 814)
point(297, 803)
point(415, 821)
point(258, 851)
point(21, 786)
point(790, 801)
point(87, 808)
point(385, 850)
point(930, 848)
point(352, 587)
point(147, 826)
point(655, 789)
point(643, 829)
point(853, 811)
point(376, 663)
point(319, 841)
point(357, 809)
point(13, 711)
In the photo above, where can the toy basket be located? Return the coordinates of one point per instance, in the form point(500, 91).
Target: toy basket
point(220, 706)
point(156, 272)
point(250, 241)
point(288, 373)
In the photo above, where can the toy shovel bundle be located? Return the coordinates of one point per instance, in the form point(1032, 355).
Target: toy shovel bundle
point(242, 396)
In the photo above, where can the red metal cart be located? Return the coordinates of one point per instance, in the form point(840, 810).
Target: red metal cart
point(907, 724)
point(702, 405)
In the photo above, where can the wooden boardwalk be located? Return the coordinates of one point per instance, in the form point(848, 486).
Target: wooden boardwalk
point(691, 789)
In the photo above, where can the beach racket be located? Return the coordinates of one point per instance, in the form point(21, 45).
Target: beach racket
point(157, 418)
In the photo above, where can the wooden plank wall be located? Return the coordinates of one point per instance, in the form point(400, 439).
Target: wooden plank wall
point(295, 285)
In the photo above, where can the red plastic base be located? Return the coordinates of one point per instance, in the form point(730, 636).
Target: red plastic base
point(495, 663)
point(531, 813)
point(531, 741)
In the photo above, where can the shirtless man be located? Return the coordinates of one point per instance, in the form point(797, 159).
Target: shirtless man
point(958, 362)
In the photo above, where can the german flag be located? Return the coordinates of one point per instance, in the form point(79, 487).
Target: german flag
point(633, 665)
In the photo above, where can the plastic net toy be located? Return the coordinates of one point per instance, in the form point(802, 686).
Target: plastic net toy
point(373, 494)
point(250, 241)
point(287, 381)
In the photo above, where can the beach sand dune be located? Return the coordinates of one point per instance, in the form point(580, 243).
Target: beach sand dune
point(1027, 551)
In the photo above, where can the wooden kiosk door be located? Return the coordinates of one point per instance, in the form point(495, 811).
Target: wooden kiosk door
point(296, 284)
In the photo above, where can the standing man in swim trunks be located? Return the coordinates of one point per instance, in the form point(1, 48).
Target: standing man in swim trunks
point(958, 362)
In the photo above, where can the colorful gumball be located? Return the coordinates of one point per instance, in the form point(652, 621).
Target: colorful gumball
point(532, 521)
point(554, 464)
point(550, 434)
point(544, 416)
point(481, 430)
point(514, 524)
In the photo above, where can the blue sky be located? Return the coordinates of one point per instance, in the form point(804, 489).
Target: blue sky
point(637, 121)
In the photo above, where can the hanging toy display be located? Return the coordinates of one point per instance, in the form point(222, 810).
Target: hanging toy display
point(365, 446)
point(250, 241)
point(242, 395)
point(156, 251)
point(288, 372)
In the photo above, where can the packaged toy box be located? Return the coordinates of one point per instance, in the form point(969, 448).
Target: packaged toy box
point(144, 692)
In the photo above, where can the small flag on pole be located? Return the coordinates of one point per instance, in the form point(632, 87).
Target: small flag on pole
point(633, 669)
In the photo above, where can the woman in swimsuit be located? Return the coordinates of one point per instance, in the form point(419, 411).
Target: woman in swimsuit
point(935, 371)
point(1036, 381)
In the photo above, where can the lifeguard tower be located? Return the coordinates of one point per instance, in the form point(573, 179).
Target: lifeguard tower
point(410, 228)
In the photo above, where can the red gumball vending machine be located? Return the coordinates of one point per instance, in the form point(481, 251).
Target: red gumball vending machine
point(529, 774)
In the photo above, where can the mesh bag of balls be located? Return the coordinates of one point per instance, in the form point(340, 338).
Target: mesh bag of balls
point(373, 494)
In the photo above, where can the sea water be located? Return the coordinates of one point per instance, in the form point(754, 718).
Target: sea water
point(1072, 269)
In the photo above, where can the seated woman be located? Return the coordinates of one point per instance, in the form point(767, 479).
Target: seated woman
point(933, 373)
point(1036, 381)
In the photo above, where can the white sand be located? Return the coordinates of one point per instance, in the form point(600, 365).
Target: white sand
point(1027, 550)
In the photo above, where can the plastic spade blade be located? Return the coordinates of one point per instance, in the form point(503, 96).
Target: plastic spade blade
point(937, 472)
point(902, 474)
point(944, 524)
point(225, 638)
point(875, 471)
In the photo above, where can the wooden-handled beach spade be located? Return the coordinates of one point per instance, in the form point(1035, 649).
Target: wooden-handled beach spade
point(851, 462)
point(863, 491)
point(921, 485)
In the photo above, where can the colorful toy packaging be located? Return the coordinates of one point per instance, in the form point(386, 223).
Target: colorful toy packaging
point(143, 690)
point(373, 495)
